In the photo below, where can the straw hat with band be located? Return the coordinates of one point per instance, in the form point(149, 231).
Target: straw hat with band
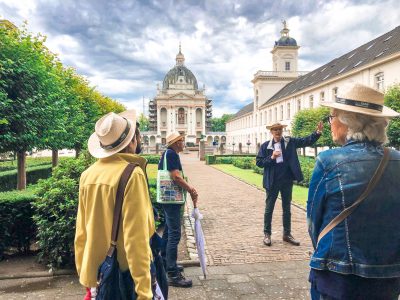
point(173, 138)
point(113, 132)
point(276, 125)
point(363, 100)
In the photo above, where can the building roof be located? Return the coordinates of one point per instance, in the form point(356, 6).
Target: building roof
point(244, 110)
point(378, 48)
point(286, 41)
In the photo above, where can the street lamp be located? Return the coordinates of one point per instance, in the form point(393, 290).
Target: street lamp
point(248, 146)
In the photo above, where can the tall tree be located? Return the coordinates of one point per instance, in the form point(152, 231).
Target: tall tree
point(219, 124)
point(26, 94)
point(305, 122)
point(392, 100)
point(143, 122)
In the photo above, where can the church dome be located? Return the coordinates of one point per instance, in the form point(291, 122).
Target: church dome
point(179, 74)
point(286, 41)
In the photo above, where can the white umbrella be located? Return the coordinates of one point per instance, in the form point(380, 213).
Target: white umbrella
point(199, 236)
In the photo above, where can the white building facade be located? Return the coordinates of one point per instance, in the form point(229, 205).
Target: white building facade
point(375, 64)
point(180, 106)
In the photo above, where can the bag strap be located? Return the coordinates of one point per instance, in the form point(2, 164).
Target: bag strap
point(123, 181)
point(371, 185)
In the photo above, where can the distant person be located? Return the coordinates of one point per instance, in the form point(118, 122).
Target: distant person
point(281, 165)
point(359, 258)
point(115, 142)
point(172, 230)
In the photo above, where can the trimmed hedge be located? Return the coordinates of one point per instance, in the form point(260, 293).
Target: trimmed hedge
point(17, 228)
point(244, 162)
point(224, 159)
point(8, 179)
point(152, 159)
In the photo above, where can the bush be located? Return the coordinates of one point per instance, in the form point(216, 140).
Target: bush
point(258, 170)
point(244, 162)
point(56, 209)
point(307, 167)
point(226, 160)
point(17, 228)
point(152, 159)
point(210, 159)
point(8, 179)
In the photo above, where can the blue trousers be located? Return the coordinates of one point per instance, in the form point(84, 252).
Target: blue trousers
point(171, 235)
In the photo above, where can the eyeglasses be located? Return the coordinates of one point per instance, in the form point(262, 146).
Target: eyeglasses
point(277, 129)
point(328, 119)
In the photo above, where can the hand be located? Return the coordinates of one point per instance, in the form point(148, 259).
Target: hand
point(276, 154)
point(194, 200)
point(320, 127)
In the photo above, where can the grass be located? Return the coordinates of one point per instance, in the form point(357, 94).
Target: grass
point(299, 193)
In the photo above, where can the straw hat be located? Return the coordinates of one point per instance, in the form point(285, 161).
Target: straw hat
point(112, 133)
point(276, 125)
point(363, 100)
point(173, 138)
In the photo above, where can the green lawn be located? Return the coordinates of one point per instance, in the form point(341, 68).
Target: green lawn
point(299, 193)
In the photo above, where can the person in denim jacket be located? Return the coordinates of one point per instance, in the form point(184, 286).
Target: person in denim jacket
point(360, 257)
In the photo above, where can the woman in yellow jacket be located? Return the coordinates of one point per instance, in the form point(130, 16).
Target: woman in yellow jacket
point(115, 142)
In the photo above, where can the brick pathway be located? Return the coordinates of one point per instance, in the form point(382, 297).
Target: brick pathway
point(233, 219)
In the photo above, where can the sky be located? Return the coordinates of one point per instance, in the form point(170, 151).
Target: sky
point(125, 48)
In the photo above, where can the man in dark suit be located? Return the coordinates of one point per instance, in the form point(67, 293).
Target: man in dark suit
point(281, 166)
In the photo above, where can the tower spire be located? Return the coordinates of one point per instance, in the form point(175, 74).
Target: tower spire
point(285, 30)
point(180, 58)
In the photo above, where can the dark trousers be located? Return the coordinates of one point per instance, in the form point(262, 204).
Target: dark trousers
point(285, 187)
point(171, 235)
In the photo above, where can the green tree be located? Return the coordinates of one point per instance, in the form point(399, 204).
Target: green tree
point(27, 94)
point(144, 122)
point(305, 122)
point(392, 100)
point(219, 124)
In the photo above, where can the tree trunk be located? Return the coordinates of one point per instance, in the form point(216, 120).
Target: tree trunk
point(21, 176)
point(54, 157)
point(77, 151)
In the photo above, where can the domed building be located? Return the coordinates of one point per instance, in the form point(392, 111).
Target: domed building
point(179, 106)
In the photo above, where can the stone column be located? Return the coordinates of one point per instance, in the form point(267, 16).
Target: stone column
point(202, 152)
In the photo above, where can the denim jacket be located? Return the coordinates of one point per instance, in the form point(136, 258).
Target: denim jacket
point(366, 243)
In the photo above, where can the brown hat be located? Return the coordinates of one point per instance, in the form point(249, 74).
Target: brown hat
point(112, 133)
point(173, 138)
point(363, 100)
point(276, 125)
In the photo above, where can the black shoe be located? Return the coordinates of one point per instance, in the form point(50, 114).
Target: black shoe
point(290, 239)
point(267, 240)
point(177, 279)
point(179, 268)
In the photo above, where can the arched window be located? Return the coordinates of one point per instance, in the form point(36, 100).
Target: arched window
point(181, 116)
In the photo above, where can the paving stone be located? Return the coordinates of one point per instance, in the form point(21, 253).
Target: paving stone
point(224, 294)
point(243, 288)
point(219, 270)
point(216, 285)
point(193, 293)
point(237, 278)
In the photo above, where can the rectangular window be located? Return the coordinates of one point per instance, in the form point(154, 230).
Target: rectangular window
point(281, 112)
point(288, 110)
point(322, 96)
point(270, 116)
point(287, 66)
point(311, 101)
point(379, 81)
point(298, 104)
point(334, 92)
point(276, 114)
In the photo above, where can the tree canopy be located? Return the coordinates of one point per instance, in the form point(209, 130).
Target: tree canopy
point(392, 100)
point(219, 124)
point(43, 104)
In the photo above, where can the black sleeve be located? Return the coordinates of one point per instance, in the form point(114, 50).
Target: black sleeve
point(307, 141)
point(173, 161)
point(263, 160)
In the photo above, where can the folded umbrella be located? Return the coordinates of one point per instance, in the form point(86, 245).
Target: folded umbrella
point(199, 237)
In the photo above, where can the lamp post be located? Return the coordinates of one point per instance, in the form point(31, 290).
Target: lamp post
point(233, 145)
point(248, 146)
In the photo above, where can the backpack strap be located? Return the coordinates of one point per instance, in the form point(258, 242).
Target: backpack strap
point(371, 185)
point(126, 174)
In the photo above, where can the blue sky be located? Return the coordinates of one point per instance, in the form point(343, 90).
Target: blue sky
point(126, 47)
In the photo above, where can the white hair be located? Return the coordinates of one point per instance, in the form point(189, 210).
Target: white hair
point(364, 127)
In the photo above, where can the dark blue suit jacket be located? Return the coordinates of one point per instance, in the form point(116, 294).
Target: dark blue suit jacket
point(265, 161)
